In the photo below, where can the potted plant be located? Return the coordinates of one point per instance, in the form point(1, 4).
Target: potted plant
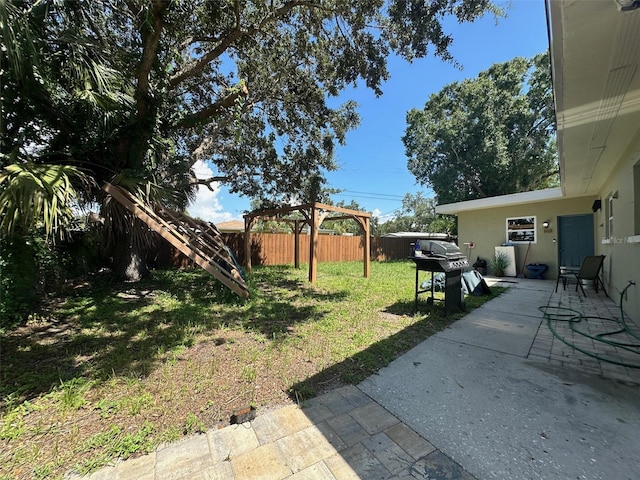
point(500, 263)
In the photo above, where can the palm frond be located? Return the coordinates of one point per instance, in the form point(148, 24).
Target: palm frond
point(39, 195)
point(119, 221)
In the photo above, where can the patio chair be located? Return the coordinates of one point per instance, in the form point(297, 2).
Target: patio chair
point(590, 270)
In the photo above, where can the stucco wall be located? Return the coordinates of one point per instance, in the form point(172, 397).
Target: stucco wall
point(622, 262)
point(486, 228)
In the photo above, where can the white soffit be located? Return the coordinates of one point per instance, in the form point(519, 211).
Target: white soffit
point(501, 201)
point(595, 57)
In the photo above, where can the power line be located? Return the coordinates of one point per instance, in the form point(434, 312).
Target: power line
point(368, 196)
point(375, 193)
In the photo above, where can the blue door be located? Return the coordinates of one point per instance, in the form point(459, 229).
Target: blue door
point(575, 239)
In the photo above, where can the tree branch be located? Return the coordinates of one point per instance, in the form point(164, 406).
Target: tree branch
point(544, 176)
point(211, 110)
point(197, 66)
point(469, 178)
point(150, 39)
point(208, 181)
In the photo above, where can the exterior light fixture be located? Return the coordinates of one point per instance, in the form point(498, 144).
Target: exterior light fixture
point(597, 205)
point(545, 224)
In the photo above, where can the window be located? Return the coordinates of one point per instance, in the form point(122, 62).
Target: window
point(609, 215)
point(636, 198)
point(610, 220)
point(521, 229)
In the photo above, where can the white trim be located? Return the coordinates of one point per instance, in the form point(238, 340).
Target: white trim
point(599, 110)
point(534, 229)
point(501, 201)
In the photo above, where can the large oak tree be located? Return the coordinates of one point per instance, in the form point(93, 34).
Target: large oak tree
point(137, 91)
point(486, 136)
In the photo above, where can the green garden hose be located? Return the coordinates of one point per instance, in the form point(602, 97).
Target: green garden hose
point(576, 318)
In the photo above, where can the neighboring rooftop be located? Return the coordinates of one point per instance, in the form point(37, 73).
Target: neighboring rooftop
point(435, 236)
point(231, 226)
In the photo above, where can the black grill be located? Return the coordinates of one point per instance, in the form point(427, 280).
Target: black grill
point(436, 256)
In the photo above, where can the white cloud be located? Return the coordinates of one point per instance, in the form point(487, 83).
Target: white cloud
point(207, 205)
point(382, 218)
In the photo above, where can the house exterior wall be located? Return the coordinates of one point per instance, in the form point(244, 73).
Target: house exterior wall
point(622, 245)
point(486, 228)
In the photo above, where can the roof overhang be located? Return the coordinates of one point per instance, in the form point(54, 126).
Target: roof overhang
point(501, 201)
point(596, 82)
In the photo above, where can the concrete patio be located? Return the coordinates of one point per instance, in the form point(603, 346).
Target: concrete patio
point(495, 395)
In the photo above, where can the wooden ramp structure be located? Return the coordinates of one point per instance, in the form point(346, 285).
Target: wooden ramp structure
point(199, 241)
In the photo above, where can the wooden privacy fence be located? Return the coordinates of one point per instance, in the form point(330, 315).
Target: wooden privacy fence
point(278, 249)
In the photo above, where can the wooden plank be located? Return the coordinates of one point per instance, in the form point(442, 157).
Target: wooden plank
point(248, 223)
point(205, 246)
point(170, 234)
point(347, 211)
point(296, 245)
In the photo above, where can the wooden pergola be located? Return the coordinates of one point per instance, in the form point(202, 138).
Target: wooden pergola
point(313, 214)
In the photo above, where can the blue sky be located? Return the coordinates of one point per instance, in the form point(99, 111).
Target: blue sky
point(373, 166)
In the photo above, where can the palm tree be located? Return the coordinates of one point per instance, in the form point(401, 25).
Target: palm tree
point(61, 101)
point(39, 195)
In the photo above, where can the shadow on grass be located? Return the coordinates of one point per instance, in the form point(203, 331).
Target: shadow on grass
point(430, 320)
point(104, 328)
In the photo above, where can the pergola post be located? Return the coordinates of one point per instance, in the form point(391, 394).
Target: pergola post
point(313, 245)
point(296, 244)
point(248, 221)
point(367, 246)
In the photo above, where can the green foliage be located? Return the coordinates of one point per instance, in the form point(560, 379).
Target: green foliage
point(31, 268)
point(18, 281)
point(72, 392)
point(38, 195)
point(193, 425)
point(147, 88)
point(118, 445)
point(12, 426)
point(487, 136)
point(500, 262)
point(418, 214)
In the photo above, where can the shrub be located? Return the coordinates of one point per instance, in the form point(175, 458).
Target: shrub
point(31, 268)
point(18, 280)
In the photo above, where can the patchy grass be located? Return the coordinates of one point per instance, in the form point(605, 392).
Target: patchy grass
point(115, 369)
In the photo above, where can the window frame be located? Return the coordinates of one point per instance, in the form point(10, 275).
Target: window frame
point(609, 217)
point(530, 234)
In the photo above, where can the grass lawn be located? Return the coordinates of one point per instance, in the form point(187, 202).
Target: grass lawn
point(113, 369)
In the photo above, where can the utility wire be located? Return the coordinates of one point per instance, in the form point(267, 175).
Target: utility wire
point(375, 193)
point(367, 196)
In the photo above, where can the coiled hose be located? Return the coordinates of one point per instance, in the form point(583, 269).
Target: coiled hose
point(575, 319)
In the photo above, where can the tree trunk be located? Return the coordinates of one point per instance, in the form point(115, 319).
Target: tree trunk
point(129, 260)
